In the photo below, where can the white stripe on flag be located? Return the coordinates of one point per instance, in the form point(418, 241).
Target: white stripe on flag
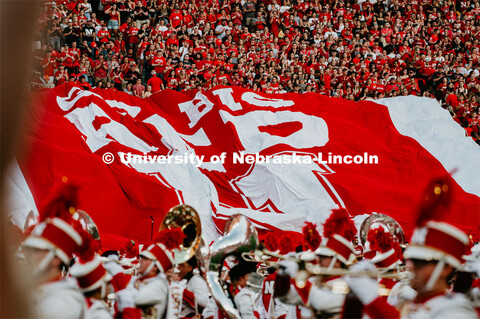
point(19, 200)
point(424, 120)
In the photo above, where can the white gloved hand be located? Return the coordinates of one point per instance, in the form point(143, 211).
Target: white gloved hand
point(113, 257)
point(473, 266)
point(400, 294)
point(288, 268)
point(113, 268)
point(126, 298)
point(407, 293)
point(365, 288)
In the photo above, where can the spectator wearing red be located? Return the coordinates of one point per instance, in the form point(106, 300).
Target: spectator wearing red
point(100, 69)
point(176, 17)
point(48, 65)
point(61, 76)
point(132, 35)
point(155, 82)
point(103, 35)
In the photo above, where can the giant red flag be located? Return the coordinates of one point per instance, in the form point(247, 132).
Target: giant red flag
point(275, 158)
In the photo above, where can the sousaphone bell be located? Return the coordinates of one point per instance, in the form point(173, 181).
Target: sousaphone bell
point(187, 219)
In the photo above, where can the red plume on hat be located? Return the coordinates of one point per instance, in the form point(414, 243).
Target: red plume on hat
point(289, 241)
point(339, 223)
point(398, 250)
point(311, 235)
point(432, 238)
point(436, 200)
point(171, 238)
point(338, 231)
point(271, 242)
point(161, 251)
point(57, 231)
point(285, 245)
point(62, 203)
point(380, 241)
point(89, 247)
point(89, 270)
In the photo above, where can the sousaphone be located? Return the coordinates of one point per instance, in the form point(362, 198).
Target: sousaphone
point(385, 221)
point(187, 219)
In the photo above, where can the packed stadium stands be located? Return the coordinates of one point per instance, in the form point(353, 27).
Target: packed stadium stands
point(351, 49)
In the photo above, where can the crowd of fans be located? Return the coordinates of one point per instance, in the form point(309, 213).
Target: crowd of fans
point(354, 49)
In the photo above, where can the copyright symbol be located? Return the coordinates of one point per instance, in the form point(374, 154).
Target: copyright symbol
point(108, 158)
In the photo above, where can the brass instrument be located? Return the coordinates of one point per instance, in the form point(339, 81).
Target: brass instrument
point(124, 262)
point(316, 270)
point(187, 219)
point(341, 287)
point(87, 223)
point(388, 223)
point(238, 237)
point(309, 269)
point(202, 256)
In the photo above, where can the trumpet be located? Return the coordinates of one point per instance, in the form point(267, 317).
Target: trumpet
point(312, 270)
point(317, 270)
point(127, 262)
point(309, 269)
point(129, 265)
point(341, 287)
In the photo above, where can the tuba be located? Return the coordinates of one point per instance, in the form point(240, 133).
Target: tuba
point(87, 223)
point(385, 221)
point(202, 257)
point(187, 219)
point(238, 237)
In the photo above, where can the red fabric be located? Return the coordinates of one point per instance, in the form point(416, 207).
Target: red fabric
point(387, 262)
point(123, 201)
point(92, 277)
point(267, 290)
point(189, 297)
point(162, 257)
point(60, 238)
point(379, 308)
point(339, 247)
point(304, 292)
point(156, 84)
point(444, 242)
point(120, 281)
point(131, 313)
point(113, 242)
point(388, 283)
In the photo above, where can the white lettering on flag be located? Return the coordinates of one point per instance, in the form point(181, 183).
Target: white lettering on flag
point(195, 111)
point(83, 119)
point(314, 131)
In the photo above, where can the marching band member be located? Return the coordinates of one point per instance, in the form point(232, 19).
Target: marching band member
point(152, 295)
point(48, 251)
point(272, 307)
point(212, 311)
point(472, 265)
point(195, 294)
point(436, 250)
point(245, 299)
point(335, 251)
point(387, 255)
point(94, 281)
